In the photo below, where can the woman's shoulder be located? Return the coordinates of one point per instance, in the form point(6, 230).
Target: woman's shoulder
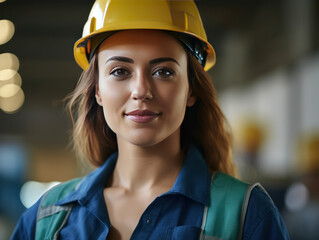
point(263, 220)
point(25, 228)
point(261, 201)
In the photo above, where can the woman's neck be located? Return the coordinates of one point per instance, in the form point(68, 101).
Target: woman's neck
point(145, 168)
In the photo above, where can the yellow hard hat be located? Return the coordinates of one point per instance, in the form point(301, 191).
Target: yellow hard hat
point(179, 17)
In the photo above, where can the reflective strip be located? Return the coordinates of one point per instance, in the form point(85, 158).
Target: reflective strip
point(212, 238)
point(50, 210)
point(203, 223)
point(244, 209)
point(245, 206)
point(201, 236)
point(57, 233)
point(242, 216)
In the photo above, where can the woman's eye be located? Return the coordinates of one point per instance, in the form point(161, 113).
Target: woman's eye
point(120, 72)
point(163, 72)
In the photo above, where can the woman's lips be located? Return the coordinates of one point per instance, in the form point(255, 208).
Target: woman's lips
point(141, 116)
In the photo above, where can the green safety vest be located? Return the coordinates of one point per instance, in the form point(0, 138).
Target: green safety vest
point(222, 220)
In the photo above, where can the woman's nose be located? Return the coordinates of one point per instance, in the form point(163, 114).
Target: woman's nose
point(142, 89)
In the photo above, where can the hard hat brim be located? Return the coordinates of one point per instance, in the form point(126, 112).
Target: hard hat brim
point(80, 48)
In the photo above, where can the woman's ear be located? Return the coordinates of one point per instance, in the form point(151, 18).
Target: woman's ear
point(191, 99)
point(98, 96)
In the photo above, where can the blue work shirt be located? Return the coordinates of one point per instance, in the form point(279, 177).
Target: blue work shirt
point(176, 214)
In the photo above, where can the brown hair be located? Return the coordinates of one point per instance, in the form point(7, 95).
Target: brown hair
point(204, 124)
point(92, 138)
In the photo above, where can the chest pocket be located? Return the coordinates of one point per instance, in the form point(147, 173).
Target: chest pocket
point(189, 233)
point(212, 238)
point(185, 232)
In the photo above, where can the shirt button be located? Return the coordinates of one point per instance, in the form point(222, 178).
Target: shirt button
point(148, 220)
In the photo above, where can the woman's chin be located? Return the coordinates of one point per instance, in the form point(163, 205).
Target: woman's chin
point(148, 137)
point(143, 141)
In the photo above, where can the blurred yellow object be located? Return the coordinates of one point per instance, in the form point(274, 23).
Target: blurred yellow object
point(309, 153)
point(114, 15)
point(251, 136)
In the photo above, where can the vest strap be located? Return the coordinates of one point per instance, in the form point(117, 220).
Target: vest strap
point(224, 218)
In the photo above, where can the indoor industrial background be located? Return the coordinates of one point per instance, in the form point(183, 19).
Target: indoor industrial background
point(267, 78)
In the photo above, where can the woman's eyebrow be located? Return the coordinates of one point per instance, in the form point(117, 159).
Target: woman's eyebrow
point(120, 59)
point(164, 59)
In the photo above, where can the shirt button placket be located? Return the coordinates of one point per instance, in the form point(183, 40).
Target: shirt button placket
point(148, 220)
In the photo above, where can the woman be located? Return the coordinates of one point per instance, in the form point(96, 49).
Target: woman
point(146, 114)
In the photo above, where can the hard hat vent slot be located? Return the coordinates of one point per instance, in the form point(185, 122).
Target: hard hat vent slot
point(186, 21)
point(93, 25)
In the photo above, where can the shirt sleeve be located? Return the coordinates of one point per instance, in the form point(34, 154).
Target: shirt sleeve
point(263, 221)
point(25, 228)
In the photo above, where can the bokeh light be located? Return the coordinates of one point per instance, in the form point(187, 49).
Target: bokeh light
point(296, 197)
point(9, 61)
point(7, 31)
point(9, 90)
point(16, 79)
point(7, 74)
point(31, 191)
point(14, 102)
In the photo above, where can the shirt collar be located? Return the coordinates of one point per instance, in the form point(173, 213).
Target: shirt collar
point(193, 180)
point(92, 183)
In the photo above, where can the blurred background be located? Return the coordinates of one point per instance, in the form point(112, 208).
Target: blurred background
point(267, 79)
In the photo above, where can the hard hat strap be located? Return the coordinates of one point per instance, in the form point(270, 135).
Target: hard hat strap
point(197, 47)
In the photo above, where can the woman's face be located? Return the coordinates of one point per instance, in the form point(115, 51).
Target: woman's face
point(143, 86)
